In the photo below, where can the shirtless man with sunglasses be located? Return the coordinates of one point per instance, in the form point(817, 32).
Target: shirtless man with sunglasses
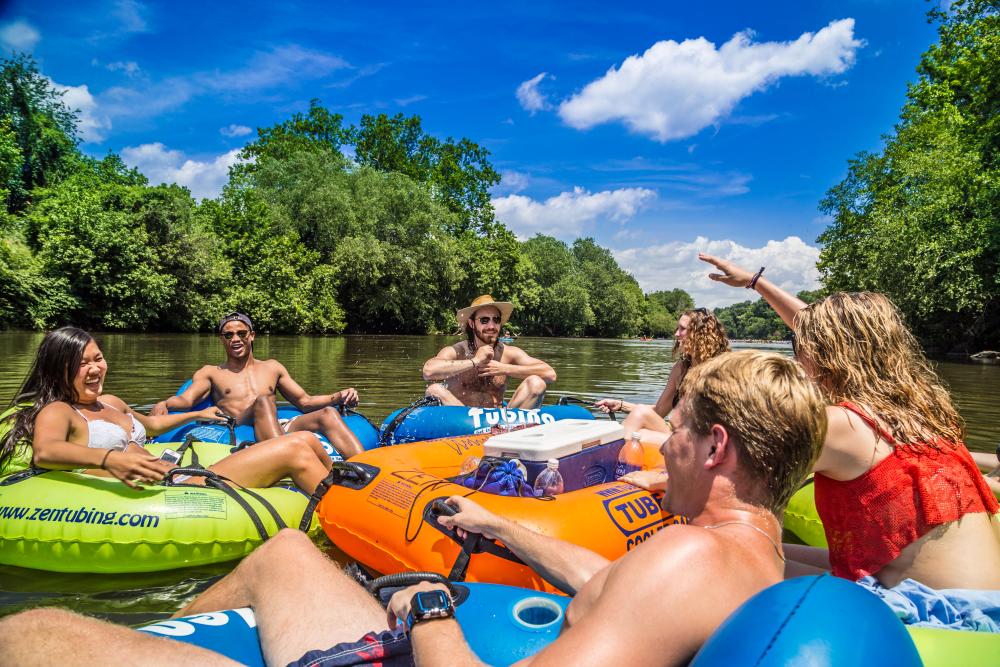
point(245, 388)
point(474, 372)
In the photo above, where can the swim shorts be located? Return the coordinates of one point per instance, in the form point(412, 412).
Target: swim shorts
point(285, 423)
point(948, 608)
point(380, 649)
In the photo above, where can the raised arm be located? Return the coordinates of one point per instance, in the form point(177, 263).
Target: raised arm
point(201, 385)
point(564, 565)
point(785, 304)
point(519, 364)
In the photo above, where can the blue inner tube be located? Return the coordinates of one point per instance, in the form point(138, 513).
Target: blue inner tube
point(820, 620)
point(444, 421)
point(363, 429)
point(502, 624)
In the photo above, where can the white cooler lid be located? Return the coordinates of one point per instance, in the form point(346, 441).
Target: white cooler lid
point(554, 440)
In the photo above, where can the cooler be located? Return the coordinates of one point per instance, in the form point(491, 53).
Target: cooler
point(587, 450)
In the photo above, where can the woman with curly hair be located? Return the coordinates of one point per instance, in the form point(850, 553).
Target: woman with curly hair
point(902, 502)
point(699, 337)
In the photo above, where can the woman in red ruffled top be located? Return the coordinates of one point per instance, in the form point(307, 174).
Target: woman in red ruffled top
point(898, 492)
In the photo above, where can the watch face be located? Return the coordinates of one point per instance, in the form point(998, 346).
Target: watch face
point(426, 602)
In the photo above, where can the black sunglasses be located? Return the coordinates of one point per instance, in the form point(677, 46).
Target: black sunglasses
point(486, 319)
point(242, 333)
point(703, 311)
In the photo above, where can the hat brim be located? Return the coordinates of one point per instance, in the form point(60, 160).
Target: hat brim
point(505, 308)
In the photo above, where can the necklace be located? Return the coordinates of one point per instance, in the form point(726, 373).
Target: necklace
point(750, 525)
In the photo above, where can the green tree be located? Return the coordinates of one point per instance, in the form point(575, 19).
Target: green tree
point(459, 173)
point(920, 221)
point(44, 129)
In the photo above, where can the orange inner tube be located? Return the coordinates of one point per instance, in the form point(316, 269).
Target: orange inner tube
point(383, 525)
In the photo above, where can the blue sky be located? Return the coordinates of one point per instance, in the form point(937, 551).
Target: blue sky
point(660, 129)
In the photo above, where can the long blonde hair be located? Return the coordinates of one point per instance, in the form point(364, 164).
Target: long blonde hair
point(863, 352)
point(706, 338)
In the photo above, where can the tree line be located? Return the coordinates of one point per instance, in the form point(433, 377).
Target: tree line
point(390, 240)
point(396, 237)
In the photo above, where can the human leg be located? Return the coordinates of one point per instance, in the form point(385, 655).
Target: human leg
point(441, 393)
point(329, 422)
point(644, 417)
point(265, 418)
point(529, 393)
point(58, 637)
point(301, 599)
point(296, 455)
point(802, 560)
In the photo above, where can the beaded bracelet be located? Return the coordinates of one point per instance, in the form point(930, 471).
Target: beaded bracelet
point(756, 277)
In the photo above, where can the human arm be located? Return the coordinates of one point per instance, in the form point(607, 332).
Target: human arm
point(305, 401)
point(201, 385)
point(651, 480)
point(985, 461)
point(564, 565)
point(665, 403)
point(519, 364)
point(437, 642)
point(447, 364)
point(156, 424)
point(785, 304)
point(53, 450)
point(607, 405)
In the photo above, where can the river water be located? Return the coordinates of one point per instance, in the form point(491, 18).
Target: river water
point(144, 368)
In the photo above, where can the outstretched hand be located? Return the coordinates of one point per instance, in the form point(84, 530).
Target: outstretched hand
point(210, 414)
point(731, 274)
point(608, 405)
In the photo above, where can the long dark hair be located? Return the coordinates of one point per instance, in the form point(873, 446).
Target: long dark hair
point(49, 380)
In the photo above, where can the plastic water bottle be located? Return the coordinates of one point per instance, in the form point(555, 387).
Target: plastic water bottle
point(469, 466)
point(630, 458)
point(549, 482)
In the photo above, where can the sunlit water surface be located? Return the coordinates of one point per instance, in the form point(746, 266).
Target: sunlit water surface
point(385, 370)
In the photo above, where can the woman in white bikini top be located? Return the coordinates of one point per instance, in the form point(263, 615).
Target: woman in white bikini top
point(104, 434)
point(66, 384)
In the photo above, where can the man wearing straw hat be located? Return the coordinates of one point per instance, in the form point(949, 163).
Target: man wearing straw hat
point(474, 372)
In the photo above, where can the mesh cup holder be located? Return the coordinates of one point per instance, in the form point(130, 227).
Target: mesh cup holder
point(537, 613)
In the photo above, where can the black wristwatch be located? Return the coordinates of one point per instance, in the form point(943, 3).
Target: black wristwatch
point(428, 605)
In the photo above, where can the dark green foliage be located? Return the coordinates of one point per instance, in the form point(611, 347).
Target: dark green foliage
point(43, 129)
point(920, 221)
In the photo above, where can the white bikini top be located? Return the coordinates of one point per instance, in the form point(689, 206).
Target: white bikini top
point(103, 434)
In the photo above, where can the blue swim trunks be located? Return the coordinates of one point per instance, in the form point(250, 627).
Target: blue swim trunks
point(378, 649)
point(947, 608)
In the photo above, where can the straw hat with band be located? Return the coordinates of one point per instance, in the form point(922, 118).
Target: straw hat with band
point(505, 308)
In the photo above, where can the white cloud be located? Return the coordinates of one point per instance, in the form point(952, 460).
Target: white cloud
point(530, 98)
point(235, 130)
point(275, 67)
point(791, 264)
point(130, 67)
point(569, 213)
point(674, 90)
point(162, 165)
point(92, 123)
point(19, 35)
point(130, 15)
point(513, 181)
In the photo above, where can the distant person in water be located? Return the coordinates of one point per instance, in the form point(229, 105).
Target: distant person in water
point(245, 388)
point(475, 371)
